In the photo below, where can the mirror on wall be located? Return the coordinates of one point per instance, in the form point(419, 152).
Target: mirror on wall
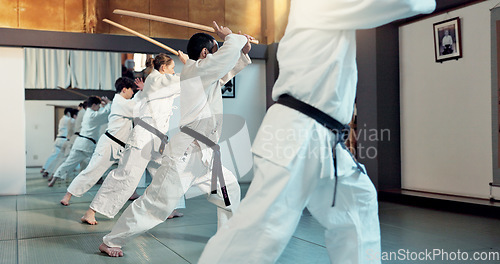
point(75, 72)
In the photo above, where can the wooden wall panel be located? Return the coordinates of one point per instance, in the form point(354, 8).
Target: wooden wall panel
point(87, 15)
point(172, 9)
point(41, 15)
point(73, 15)
point(138, 24)
point(102, 11)
point(244, 16)
point(9, 13)
point(204, 12)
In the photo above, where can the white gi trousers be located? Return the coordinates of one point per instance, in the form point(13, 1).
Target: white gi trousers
point(181, 169)
point(105, 155)
point(61, 157)
point(58, 144)
point(288, 178)
point(121, 182)
point(69, 165)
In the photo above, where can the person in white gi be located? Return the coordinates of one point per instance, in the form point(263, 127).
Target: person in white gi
point(293, 157)
point(111, 144)
point(77, 126)
point(62, 133)
point(447, 43)
point(63, 154)
point(84, 145)
point(154, 107)
point(69, 144)
point(188, 161)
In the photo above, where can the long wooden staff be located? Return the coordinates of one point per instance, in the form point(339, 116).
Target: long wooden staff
point(157, 43)
point(169, 21)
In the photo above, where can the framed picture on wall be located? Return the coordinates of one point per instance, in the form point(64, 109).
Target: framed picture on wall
point(228, 90)
point(447, 40)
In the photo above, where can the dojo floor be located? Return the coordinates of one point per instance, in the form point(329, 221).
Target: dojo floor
point(35, 228)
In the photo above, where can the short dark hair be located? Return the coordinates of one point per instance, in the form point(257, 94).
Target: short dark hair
point(92, 100)
point(67, 110)
point(85, 104)
point(196, 44)
point(149, 62)
point(161, 59)
point(124, 82)
point(74, 112)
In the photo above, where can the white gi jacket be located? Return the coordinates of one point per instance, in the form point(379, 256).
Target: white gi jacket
point(91, 123)
point(154, 106)
point(71, 127)
point(77, 126)
point(79, 119)
point(120, 121)
point(322, 33)
point(201, 97)
point(62, 130)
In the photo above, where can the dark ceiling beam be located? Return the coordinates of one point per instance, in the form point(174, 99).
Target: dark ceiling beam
point(13, 37)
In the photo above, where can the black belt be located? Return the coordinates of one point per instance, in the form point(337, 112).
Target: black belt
point(115, 139)
point(341, 131)
point(217, 164)
point(77, 133)
point(60, 137)
point(89, 138)
point(156, 132)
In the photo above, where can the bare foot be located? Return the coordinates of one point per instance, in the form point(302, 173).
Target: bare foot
point(111, 251)
point(53, 181)
point(134, 196)
point(175, 214)
point(42, 170)
point(51, 177)
point(89, 217)
point(66, 198)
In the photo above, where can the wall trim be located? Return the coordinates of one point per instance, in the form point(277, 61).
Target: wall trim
point(13, 37)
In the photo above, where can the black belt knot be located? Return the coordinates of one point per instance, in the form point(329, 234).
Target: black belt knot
point(340, 130)
point(216, 164)
point(342, 134)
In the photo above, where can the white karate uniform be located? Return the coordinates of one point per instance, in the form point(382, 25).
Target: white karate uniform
point(83, 147)
point(155, 108)
point(293, 159)
point(62, 133)
point(107, 151)
point(64, 152)
point(185, 163)
point(78, 127)
point(78, 121)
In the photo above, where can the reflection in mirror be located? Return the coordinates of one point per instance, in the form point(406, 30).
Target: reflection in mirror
point(72, 71)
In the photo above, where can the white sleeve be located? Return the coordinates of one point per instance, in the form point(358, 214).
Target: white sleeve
point(353, 14)
point(63, 123)
point(242, 63)
point(217, 65)
point(173, 84)
point(101, 116)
